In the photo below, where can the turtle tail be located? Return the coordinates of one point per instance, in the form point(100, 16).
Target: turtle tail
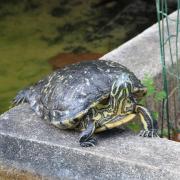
point(21, 97)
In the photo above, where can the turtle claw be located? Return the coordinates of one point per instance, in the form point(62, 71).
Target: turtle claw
point(90, 142)
point(18, 101)
point(149, 133)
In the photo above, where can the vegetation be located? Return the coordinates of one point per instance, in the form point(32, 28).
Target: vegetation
point(154, 94)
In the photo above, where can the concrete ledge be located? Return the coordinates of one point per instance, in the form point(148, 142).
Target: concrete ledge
point(28, 143)
point(10, 173)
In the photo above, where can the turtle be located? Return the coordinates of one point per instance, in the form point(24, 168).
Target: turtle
point(90, 97)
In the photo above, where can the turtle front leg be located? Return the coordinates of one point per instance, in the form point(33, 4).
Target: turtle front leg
point(149, 124)
point(86, 137)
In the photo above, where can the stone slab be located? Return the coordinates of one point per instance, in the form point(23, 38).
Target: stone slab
point(10, 173)
point(31, 144)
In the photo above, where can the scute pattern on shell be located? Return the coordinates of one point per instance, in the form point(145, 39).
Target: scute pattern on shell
point(72, 89)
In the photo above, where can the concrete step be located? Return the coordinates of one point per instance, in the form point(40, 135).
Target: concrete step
point(30, 144)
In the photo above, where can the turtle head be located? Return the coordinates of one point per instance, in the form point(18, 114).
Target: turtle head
point(138, 89)
point(134, 85)
point(139, 93)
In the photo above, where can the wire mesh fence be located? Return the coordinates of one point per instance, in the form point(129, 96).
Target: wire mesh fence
point(169, 57)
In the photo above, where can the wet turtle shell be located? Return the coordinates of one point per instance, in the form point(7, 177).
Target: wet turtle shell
point(73, 89)
point(70, 96)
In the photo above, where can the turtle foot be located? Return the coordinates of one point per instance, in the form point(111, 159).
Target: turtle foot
point(90, 142)
point(20, 98)
point(149, 133)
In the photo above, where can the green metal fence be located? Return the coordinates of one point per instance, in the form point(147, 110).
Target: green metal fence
point(169, 48)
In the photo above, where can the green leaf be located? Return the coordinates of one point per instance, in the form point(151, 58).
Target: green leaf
point(150, 90)
point(160, 96)
point(155, 114)
point(134, 126)
point(142, 101)
point(148, 80)
point(149, 83)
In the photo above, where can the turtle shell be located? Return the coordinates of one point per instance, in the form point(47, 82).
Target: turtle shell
point(73, 89)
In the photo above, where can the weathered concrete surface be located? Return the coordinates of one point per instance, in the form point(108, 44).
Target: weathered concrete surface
point(9, 173)
point(142, 53)
point(28, 143)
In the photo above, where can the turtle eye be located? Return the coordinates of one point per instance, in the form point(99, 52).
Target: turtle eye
point(135, 89)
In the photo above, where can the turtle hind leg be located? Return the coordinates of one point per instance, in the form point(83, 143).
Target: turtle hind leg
point(28, 96)
point(21, 97)
point(149, 123)
point(86, 137)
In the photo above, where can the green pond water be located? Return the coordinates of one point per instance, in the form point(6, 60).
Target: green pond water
point(31, 32)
